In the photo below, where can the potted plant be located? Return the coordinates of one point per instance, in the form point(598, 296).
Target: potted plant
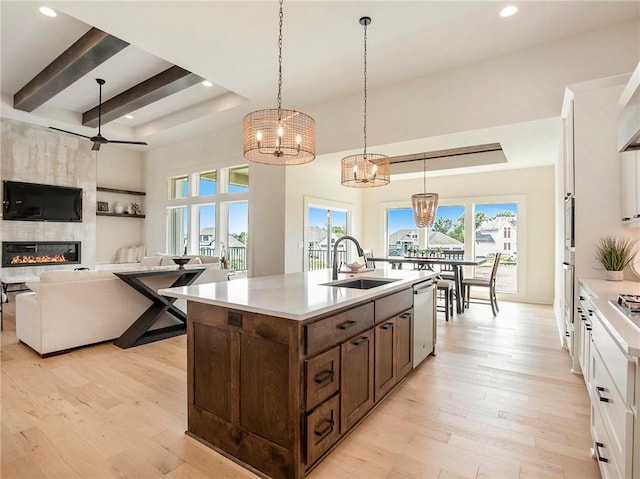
point(614, 253)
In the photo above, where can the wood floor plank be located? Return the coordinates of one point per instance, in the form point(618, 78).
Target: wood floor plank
point(498, 401)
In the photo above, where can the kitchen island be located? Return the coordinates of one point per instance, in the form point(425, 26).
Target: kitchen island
point(280, 368)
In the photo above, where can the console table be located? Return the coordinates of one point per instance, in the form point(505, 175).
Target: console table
point(138, 333)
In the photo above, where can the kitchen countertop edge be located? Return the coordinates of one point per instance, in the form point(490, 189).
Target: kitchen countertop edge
point(624, 333)
point(236, 294)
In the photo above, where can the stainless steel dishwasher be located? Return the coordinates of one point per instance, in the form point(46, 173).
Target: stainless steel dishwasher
point(424, 314)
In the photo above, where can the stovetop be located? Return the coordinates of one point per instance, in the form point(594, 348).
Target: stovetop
point(629, 306)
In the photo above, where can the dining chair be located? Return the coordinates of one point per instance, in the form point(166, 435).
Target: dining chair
point(444, 290)
point(489, 282)
point(368, 253)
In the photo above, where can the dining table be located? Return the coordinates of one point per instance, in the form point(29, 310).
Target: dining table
point(427, 262)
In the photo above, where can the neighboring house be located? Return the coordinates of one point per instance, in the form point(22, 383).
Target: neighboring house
point(499, 235)
point(207, 236)
point(403, 239)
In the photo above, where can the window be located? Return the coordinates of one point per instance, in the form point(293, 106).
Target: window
point(239, 179)
point(209, 215)
point(178, 187)
point(493, 220)
point(207, 183)
point(237, 235)
point(177, 230)
point(447, 232)
point(325, 225)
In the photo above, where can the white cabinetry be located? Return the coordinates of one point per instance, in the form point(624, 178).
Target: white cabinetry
point(630, 178)
point(613, 382)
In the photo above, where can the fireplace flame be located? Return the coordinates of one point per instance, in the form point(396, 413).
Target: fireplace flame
point(38, 259)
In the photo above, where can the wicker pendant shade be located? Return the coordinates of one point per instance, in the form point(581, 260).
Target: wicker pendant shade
point(367, 169)
point(278, 136)
point(360, 171)
point(424, 208)
point(425, 205)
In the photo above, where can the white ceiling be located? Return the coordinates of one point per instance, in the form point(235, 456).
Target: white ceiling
point(234, 44)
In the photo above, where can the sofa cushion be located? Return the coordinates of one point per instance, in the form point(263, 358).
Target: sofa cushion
point(151, 261)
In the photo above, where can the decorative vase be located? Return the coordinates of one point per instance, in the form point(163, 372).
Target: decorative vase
point(118, 208)
point(613, 275)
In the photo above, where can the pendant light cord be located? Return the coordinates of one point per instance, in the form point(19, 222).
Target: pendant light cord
point(424, 175)
point(365, 88)
point(280, 64)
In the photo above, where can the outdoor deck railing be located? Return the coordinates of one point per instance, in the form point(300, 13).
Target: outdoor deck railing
point(236, 256)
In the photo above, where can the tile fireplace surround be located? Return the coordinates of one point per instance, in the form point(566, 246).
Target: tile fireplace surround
point(40, 253)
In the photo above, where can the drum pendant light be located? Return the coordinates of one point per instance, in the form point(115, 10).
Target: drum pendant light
point(424, 204)
point(368, 169)
point(278, 136)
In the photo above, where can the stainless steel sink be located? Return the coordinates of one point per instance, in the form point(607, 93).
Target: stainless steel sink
point(360, 283)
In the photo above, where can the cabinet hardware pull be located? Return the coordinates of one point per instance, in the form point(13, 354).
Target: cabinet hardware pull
point(636, 215)
point(598, 456)
point(405, 316)
point(600, 389)
point(347, 325)
point(359, 341)
point(324, 377)
point(387, 326)
point(328, 428)
point(581, 298)
point(567, 334)
point(589, 328)
point(626, 219)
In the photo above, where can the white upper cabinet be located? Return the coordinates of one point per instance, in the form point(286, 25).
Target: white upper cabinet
point(630, 178)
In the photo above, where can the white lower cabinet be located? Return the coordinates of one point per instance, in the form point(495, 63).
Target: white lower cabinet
point(612, 384)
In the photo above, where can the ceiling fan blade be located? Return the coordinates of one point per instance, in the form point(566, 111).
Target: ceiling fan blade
point(96, 147)
point(128, 142)
point(69, 132)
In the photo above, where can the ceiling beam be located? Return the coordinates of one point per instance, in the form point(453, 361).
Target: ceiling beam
point(163, 84)
point(463, 150)
point(93, 48)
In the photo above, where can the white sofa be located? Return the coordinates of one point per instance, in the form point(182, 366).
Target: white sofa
point(68, 309)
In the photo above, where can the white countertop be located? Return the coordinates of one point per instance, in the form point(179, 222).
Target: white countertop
point(625, 333)
point(296, 296)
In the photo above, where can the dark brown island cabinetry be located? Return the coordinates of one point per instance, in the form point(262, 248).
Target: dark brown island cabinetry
point(277, 394)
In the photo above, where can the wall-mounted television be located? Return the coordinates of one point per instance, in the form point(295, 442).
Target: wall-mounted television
point(36, 202)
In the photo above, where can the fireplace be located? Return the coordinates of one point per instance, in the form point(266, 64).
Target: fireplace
point(39, 253)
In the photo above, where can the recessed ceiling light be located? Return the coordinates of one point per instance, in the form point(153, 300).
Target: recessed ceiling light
point(129, 117)
point(207, 83)
point(49, 12)
point(508, 11)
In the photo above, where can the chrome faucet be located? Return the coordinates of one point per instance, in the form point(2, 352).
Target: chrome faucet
point(334, 272)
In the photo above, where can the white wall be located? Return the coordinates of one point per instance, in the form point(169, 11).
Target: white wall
point(598, 202)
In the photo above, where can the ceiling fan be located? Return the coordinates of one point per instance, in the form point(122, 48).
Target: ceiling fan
point(99, 140)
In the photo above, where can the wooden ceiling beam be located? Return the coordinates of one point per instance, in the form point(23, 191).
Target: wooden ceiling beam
point(92, 49)
point(166, 83)
point(463, 150)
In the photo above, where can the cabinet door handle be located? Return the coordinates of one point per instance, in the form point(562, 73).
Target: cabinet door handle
point(626, 219)
point(405, 315)
point(324, 377)
point(600, 390)
point(347, 325)
point(387, 326)
point(597, 449)
point(359, 341)
point(326, 430)
point(581, 298)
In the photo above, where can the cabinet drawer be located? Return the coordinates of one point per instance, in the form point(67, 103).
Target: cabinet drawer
point(323, 429)
point(336, 329)
point(615, 414)
point(322, 377)
point(394, 304)
point(620, 367)
point(600, 449)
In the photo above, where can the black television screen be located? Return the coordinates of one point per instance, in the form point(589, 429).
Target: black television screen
point(35, 202)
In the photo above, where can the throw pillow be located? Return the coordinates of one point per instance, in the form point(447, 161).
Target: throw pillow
point(140, 253)
point(195, 260)
point(150, 261)
point(122, 255)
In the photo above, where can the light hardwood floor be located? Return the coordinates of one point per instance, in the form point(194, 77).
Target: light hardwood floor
point(498, 401)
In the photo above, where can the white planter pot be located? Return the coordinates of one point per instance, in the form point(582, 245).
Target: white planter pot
point(613, 275)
